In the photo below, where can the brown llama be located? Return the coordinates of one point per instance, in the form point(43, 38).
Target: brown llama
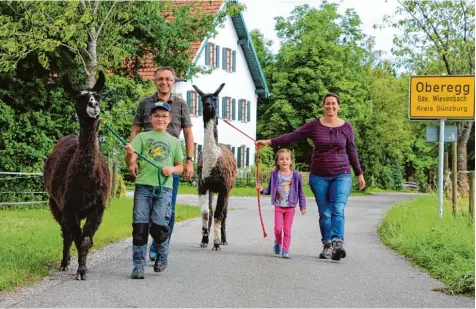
point(217, 170)
point(77, 178)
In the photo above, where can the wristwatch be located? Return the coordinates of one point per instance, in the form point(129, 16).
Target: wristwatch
point(190, 158)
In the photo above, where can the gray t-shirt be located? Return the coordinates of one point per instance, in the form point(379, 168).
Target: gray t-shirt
point(180, 115)
point(284, 186)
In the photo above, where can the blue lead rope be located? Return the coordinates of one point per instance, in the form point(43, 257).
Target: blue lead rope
point(158, 189)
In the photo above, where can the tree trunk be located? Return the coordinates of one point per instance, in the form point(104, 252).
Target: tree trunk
point(90, 59)
point(464, 131)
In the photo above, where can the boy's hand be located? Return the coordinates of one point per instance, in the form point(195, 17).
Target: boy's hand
point(129, 149)
point(133, 169)
point(303, 211)
point(167, 170)
point(259, 187)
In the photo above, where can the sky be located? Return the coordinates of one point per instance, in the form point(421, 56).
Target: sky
point(259, 14)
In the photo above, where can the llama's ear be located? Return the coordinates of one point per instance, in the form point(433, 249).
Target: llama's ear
point(219, 89)
point(99, 83)
point(199, 91)
point(67, 85)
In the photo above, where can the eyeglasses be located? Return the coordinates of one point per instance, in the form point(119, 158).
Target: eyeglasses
point(167, 80)
point(160, 116)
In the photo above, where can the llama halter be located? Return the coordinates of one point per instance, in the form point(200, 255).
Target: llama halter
point(257, 173)
point(157, 190)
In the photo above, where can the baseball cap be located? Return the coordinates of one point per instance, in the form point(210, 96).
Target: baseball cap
point(161, 105)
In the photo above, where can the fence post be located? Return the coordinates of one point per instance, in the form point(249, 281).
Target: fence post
point(114, 181)
point(471, 194)
point(454, 169)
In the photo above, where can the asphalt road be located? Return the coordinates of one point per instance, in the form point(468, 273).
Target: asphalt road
point(247, 274)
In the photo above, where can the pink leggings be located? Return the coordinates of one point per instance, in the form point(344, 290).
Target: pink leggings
point(283, 222)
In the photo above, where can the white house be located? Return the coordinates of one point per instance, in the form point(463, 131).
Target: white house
point(233, 58)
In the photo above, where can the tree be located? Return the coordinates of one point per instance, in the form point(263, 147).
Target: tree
point(321, 51)
point(438, 38)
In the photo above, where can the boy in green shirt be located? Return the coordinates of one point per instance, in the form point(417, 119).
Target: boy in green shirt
point(150, 204)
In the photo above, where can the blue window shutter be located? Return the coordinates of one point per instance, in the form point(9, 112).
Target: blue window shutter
point(223, 58)
point(233, 108)
point(233, 59)
point(239, 157)
point(189, 101)
point(217, 56)
point(199, 148)
point(207, 54)
point(248, 111)
point(233, 150)
point(223, 107)
point(247, 157)
point(240, 102)
point(200, 108)
point(218, 107)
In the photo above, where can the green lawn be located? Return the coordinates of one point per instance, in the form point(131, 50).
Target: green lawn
point(31, 243)
point(444, 247)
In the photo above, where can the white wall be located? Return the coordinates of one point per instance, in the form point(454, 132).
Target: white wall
point(238, 85)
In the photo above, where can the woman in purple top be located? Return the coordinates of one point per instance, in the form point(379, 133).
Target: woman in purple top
point(330, 179)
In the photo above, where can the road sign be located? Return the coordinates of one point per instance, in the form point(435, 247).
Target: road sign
point(441, 97)
point(450, 134)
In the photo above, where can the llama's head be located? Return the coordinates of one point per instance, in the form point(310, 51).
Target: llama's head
point(86, 101)
point(209, 102)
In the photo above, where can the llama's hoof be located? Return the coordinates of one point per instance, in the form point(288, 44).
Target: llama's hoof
point(81, 273)
point(63, 268)
point(204, 245)
point(216, 247)
point(224, 242)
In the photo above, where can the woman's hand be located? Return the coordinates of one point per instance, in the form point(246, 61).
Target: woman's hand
point(361, 182)
point(259, 187)
point(262, 142)
point(303, 211)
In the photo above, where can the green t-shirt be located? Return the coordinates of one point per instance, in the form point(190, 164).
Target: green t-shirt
point(162, 149)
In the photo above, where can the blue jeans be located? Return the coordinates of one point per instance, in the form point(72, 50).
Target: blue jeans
point(331, 195)
point(163, 251)
point(148, 208)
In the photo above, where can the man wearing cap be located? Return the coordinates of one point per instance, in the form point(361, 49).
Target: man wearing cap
point(153, 187)
point(164, 81)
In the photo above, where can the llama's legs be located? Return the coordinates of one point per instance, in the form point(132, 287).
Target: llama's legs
point(223, 232)
point(218, 217)
point(67, 241)
point(93, 220)
point(203, 197)
point(210, 209)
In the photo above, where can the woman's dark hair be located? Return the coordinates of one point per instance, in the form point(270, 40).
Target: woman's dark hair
point(331, 94)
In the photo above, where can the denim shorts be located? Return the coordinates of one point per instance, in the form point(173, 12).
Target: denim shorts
point(148, 208)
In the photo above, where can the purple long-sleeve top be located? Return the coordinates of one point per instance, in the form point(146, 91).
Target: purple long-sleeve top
point(296, 192)
point(334, 148)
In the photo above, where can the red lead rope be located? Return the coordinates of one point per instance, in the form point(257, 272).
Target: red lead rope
point(257, 175)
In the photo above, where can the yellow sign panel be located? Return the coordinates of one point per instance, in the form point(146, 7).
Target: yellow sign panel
point(436, 97)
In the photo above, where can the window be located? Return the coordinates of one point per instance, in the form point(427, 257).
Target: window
point(228, 60)
point(242, 156)
point(243, 110)
point(193, 103)
point(228, 108)
point(211, 54)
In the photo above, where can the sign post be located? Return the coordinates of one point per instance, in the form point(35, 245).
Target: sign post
point(441, 97)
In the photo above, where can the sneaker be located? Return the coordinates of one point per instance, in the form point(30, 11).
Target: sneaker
point(152, 252)
point(138, 272)
point(326, 250)
point(338, 251)
point(286, 255)
point(277, 248)
point(159, 266)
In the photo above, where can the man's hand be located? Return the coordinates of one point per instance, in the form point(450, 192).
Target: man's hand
point(188, 171)
point(167, 170)
point(129, 149)
point(133, 170)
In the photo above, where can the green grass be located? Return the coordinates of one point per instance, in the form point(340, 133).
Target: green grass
point(186, 189)
point(31, 243)
point(444, 247)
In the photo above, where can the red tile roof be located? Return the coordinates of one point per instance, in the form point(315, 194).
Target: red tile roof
point(208, 6)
